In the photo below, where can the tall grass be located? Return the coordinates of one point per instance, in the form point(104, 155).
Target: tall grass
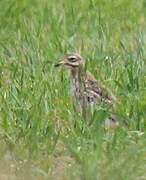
point(39, 139)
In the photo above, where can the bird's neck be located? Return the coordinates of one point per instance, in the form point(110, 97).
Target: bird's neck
point(76, 82)
point(77, 73)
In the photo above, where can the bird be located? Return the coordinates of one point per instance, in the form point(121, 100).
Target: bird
point(86, 90)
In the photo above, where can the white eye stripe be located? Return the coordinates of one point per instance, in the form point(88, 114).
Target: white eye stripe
point(72, 57)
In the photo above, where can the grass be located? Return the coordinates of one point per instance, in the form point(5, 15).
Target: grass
point(38, 136)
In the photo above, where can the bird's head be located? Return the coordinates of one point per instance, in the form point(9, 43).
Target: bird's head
point(71, 61)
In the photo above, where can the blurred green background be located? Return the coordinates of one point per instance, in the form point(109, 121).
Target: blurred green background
point(38, 136)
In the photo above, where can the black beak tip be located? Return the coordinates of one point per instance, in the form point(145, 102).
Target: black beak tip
point(56, 65)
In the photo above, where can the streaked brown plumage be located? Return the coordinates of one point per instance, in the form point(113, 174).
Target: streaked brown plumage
point(85, 89)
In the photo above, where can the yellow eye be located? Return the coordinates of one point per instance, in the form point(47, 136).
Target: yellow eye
point(72, 59)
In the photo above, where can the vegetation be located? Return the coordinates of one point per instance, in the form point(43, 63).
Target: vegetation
point(41, 135)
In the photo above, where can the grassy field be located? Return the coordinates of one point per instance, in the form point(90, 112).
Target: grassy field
point(37, 132)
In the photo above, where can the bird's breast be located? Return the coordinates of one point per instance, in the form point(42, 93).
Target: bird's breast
point(75, 88)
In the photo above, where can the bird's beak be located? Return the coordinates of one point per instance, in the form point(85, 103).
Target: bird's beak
point(59, 63)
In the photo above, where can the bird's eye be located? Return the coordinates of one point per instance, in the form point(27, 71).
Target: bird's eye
point(72, 59)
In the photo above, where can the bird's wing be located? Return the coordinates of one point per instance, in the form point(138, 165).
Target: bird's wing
point(96, 92)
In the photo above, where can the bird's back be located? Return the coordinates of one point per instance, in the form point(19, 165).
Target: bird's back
point(97, 92)
point(87, 89)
